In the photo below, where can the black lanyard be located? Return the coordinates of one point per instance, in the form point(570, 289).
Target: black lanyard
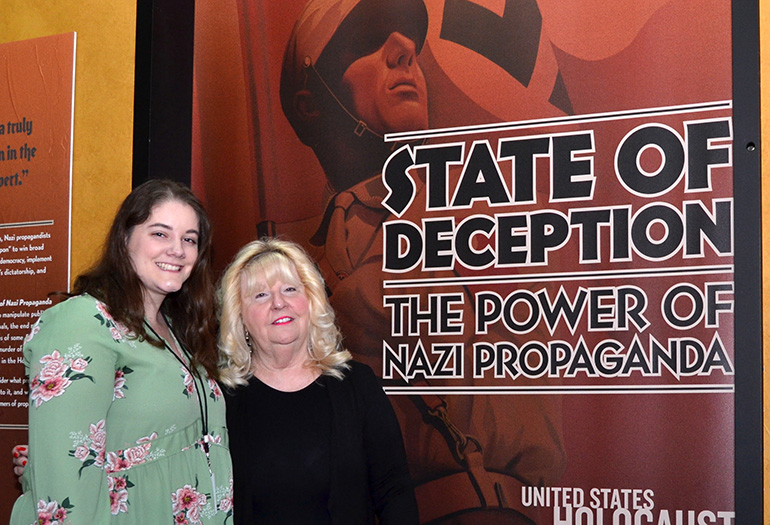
point(200, 391)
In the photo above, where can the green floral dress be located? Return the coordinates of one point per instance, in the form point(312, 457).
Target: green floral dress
point(115, 428)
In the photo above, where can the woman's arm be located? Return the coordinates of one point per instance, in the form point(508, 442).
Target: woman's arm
point(70, 360)
point(389, 480)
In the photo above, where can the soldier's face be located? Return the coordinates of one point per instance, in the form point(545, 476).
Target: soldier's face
point(387, 88)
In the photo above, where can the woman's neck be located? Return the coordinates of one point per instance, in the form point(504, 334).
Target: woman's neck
point(152, 312)
point(156, 320)
point(158, 324)
point(284, 373)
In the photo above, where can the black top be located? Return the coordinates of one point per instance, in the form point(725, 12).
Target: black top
point(349, 462)
point(281, 448)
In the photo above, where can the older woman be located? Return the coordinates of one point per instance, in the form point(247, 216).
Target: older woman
point(314, 439)
point(126, 423)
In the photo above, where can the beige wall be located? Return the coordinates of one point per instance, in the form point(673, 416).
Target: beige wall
point(104, 99)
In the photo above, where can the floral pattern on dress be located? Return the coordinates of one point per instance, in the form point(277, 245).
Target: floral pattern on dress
point(120, 382)
point(187, 504)
point(118, 490)
point(57, 374)
point(189, 383)
point(226, 503)
point(73, 358)
point(120, 333)
point(216, 392)
point(125, 459)
point(90, 449)
point(35, 329)
point(53, 512)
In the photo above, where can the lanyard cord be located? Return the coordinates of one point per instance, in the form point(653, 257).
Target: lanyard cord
point(202, 401)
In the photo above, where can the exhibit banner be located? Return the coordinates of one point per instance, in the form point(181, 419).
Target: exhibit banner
point(36, 119)
point(523, 212)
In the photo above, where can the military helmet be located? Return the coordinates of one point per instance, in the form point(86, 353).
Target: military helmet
point(329, 35)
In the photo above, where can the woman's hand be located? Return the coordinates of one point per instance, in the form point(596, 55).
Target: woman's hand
point(20, 454)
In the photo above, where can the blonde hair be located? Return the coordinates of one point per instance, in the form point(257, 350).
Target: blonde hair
point(268, 259)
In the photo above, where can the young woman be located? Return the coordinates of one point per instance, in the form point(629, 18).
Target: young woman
point(126, 422)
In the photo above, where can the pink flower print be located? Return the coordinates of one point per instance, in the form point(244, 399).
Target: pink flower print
point(90, 450)
point(51, 512)
point(195, 513)
point(189, 383)
point(184, 498)
point(118, 491)
point(122, 463)
point(44, 518)
point(226, 503)
point(116, 483)
point(216, 393)
point(54, 366)
point(125, 459)
point(188, 501)
point(79, 364)
point(81, 453)
point(118, 501)
point(103, 310)
point(55, 377)
point(116, 335)
point(136, 455)
point(181, 519)
point(97, 432)
point(45, 511)
point(53, 356)
point(148, 439)
point(118, 330)
point(120, 381)
point(98, 436)
point(115, 462)
point(32, 333)
point(60, 515)
point(49, 389)
point(123, 329)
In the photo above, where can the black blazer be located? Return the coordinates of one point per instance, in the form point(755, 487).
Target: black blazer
point(369, 468)
point(369, 475)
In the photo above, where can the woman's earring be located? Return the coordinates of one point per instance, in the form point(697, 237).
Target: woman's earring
point(247, 336)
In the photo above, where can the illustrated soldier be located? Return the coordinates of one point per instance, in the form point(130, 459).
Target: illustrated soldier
point(351, 74)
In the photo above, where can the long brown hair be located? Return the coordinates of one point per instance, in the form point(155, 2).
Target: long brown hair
point(113, 279)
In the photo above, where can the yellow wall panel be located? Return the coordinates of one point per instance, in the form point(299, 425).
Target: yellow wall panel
point(104, 101)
